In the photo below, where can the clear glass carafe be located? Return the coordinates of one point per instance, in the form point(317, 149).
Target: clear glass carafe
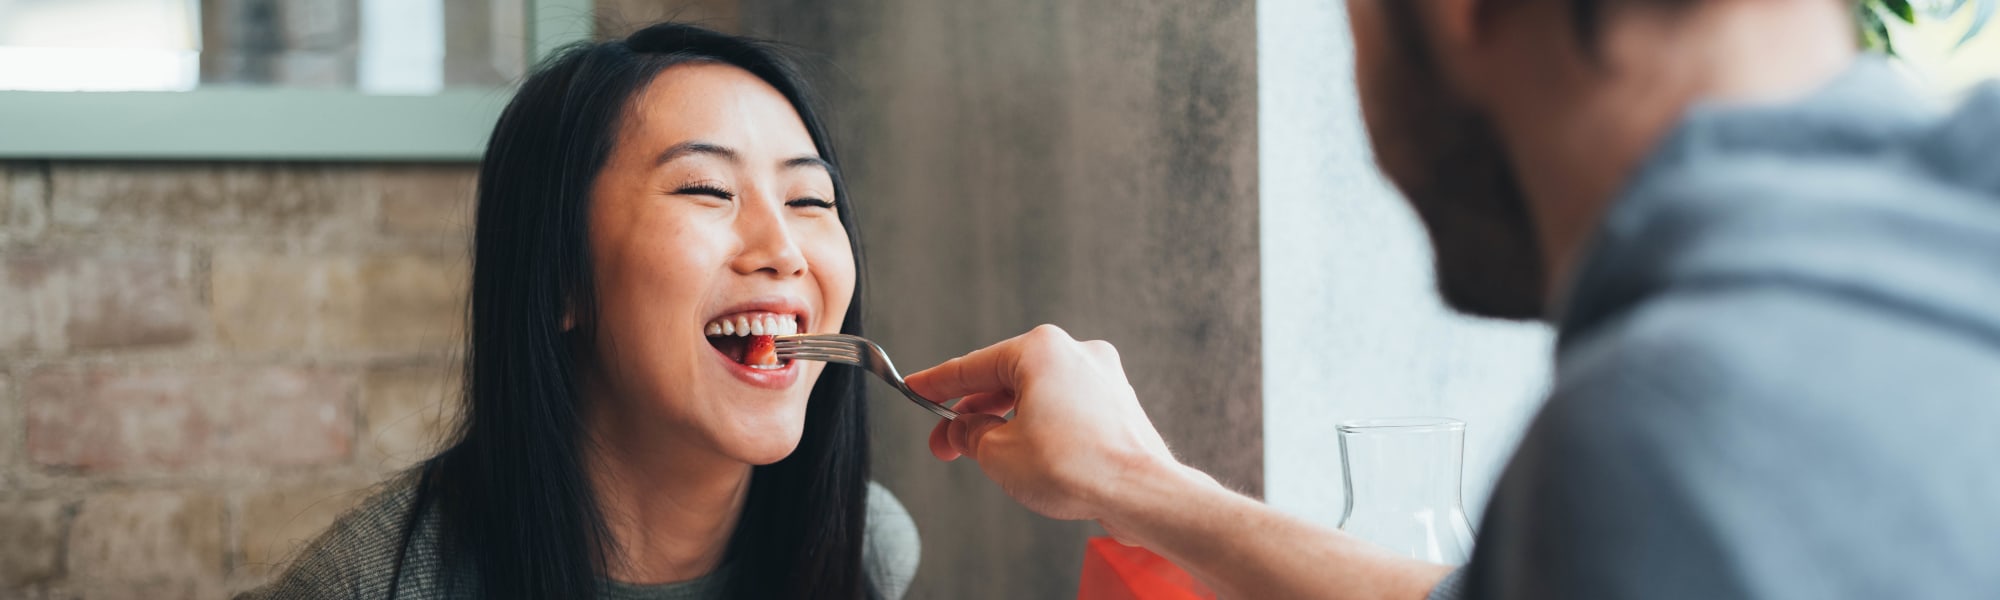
point(1403, 489)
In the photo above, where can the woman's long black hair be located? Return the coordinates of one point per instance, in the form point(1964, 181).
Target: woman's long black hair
point(516, 504)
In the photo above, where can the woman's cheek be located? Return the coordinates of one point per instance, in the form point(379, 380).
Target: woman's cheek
point(837, 278)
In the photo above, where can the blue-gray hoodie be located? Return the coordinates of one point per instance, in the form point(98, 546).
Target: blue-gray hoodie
point(1778, 369)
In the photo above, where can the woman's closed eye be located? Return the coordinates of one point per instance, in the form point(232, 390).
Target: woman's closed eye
point(703, 189)
point(810, 202)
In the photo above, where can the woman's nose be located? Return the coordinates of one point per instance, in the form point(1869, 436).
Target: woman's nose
point(768, 242)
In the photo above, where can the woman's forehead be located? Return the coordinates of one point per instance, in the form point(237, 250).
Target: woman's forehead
point(720, 104)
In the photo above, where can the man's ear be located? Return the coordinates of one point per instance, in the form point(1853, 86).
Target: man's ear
point(1467, 37)
point(1457, 26)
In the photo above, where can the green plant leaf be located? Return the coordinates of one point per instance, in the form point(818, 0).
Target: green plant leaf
point(1902, 10)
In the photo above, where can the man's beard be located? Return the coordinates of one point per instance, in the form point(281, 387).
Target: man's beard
point(1448, 160)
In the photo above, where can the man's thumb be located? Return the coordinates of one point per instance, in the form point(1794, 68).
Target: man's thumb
point(966, 431)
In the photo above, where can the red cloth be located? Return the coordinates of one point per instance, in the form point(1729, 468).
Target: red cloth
point(1114, 571)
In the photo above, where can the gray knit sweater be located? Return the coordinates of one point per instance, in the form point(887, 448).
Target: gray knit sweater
point(356, 557)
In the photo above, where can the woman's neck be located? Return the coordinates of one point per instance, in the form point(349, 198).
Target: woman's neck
point(670, 508)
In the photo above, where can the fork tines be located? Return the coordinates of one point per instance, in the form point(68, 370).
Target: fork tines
point(819, 348)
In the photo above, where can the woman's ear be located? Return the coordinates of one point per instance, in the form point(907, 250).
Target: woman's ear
point(568, 318)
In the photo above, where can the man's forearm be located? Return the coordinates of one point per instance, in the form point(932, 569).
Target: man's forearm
point(1245, 549)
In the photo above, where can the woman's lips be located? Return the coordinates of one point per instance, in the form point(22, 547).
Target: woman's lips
point(743, 340)
point(747, 337)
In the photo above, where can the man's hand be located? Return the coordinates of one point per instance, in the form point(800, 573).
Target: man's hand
point(1078, 439)
point(1080, 447)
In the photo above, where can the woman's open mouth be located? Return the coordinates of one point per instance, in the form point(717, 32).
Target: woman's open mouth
point(748, 338)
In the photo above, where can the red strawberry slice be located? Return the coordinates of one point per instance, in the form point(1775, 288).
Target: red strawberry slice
point(763, 351)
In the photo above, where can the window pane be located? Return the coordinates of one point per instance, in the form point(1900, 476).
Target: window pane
point(375, 46)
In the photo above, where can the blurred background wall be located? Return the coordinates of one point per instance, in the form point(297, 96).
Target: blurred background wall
point(1090, 164)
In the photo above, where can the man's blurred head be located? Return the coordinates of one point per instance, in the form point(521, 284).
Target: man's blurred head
point(1446, 156)
point(1511, 124)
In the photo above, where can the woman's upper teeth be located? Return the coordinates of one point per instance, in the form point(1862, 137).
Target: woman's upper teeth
point(756, 323)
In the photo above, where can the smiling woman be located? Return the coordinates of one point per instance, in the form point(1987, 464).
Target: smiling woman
point(651, 210)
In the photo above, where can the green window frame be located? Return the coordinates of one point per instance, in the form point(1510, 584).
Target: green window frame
point(276, 124)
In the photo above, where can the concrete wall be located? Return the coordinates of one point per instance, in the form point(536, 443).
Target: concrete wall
point(1090, 164)
point(1346, 260)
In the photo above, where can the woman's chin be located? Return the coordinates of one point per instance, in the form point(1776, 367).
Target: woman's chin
point(762, 441)
point(767, 451)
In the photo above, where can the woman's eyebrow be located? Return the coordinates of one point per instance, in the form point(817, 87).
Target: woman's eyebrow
point(696, 147)
point(806, 161)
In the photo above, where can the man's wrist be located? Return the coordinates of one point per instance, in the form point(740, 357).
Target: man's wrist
point(1150, 493)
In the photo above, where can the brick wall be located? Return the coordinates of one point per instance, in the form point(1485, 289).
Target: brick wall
point(202, 364)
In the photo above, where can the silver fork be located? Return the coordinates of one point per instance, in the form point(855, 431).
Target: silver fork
point(858, 351)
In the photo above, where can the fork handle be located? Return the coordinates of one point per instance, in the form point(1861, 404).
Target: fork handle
point(935, 408)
